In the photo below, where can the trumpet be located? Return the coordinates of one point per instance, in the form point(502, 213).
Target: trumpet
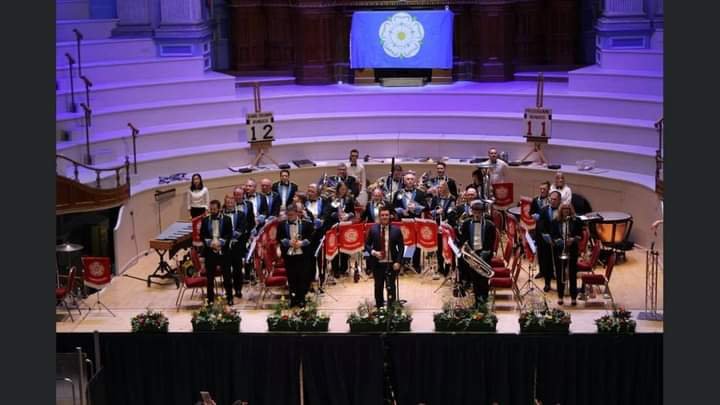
point(476, 262)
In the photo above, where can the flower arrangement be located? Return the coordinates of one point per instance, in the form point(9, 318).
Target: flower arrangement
point(545, 321)
point(619, 322)
point(461, 316)
point(216, 317)
point(150, 322)
point(368, 318)
point(307, 319)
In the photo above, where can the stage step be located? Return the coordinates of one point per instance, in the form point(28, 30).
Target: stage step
point(139, 69)
point(402, 82)
point(115, 95)
point(90, 29)
point(557, 77)
point(102, 50)
point(72, 9)
point(632, 59)
point(249, 81)
point(595, 78)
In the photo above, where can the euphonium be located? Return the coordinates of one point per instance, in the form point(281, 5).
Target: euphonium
point(476, 262)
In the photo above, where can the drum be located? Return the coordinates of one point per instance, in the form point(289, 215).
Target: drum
point(613, 228)
point(515, 211)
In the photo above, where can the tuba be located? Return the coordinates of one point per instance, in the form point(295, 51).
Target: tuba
point(476, 262)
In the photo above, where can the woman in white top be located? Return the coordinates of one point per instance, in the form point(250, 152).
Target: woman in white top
point(562, 188)
point(198, 197)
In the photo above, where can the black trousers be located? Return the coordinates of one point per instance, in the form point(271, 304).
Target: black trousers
point(384, 277)
point(237, 254)
point(212, 260)
point(480, 283)
point(196, 211)
point(296, 267)
point(440, 261)
point(572, 274)
point(545, 262)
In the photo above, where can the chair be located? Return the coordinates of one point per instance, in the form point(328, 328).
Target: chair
point(61, 293)
point(593, 279)
point(583, 244)
point(589, 265)
point(497, 261)
point(200, 266)
point(509, 283)
point(265, 272)
point(503, 269)
point(97, 274)
point(190, 282)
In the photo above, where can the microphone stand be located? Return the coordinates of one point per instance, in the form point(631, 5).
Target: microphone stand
point(71, 62)
point(134, 135)
point(88, 84)
point(78, 38)
point(88, 112)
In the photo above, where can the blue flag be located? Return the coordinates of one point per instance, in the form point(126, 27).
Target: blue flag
point(401, 39)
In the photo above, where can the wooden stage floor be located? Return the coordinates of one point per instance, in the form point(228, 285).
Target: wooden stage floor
point(128, 296)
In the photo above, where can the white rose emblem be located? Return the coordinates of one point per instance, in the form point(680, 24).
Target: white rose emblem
point(401, 35)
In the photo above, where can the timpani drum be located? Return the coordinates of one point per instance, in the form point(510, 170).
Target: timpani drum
point(613, 228)
point(515, 211)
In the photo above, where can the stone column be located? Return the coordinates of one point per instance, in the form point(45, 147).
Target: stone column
point(184, 29)
point(137, 18)
point(624, 24)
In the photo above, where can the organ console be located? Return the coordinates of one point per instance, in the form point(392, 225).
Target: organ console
point(175, 237)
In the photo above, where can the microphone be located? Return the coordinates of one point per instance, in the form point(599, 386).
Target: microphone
point(78, 34)
point(87, 81)
point(86, 108)
point(70, 59)
point(132, 127)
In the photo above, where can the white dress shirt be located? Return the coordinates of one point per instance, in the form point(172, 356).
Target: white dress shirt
point(565, 193)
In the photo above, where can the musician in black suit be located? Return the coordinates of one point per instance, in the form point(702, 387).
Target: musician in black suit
point(238, 242)
point(462, 211)
point(350, 181)
point(441, 207)
point(562, 230)
point(342, 208)
point(246, 207)
point(294, 237)
point(259, 203)
point(479, 232)
point(385, 246)
point(216, 232)
point(271, 198)
point(543, 225)
point(442, 177)
point(317, 208)
point(536, 206)
point(372, 208)
point(284, 188)
point(394, 183)
point(409, 202)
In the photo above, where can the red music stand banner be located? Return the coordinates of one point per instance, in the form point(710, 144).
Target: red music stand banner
point(526, 220)
point(331, 243)
point(426, 231)
point(96, 270)
point(407, 227)
point(447, 234)
point(352, 238)
point(503, 195)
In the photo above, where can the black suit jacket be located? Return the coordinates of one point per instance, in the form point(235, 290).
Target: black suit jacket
point(241, 232)
point(332, 213)
point(306, 233)
point(536, 205)
point(373, 242)
point(448, 208)
point(274, 205)
point(226, 231)
point(369, 214)
point(466, 234)
point(262, 207)
point(291, 193)
point(246, 207)
point(419, 198)
point(452, 187)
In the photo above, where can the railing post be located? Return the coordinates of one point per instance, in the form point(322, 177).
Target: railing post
point(77, 174)
point(117, 177)
point(97, 181)
point(127, 170)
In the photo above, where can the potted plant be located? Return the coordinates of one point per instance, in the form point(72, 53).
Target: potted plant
point(459, 316)
point(306, 319)
point(545, 321)
point(368, 318)
point(150, 322)
point(619, 322)
point(216, 317)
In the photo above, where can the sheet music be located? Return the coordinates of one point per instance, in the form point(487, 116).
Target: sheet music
point(530, 242)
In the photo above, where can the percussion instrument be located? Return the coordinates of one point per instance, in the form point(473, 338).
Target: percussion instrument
point(612, 227)
point(68, 247)
point(175, 237)
point(516, 211)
